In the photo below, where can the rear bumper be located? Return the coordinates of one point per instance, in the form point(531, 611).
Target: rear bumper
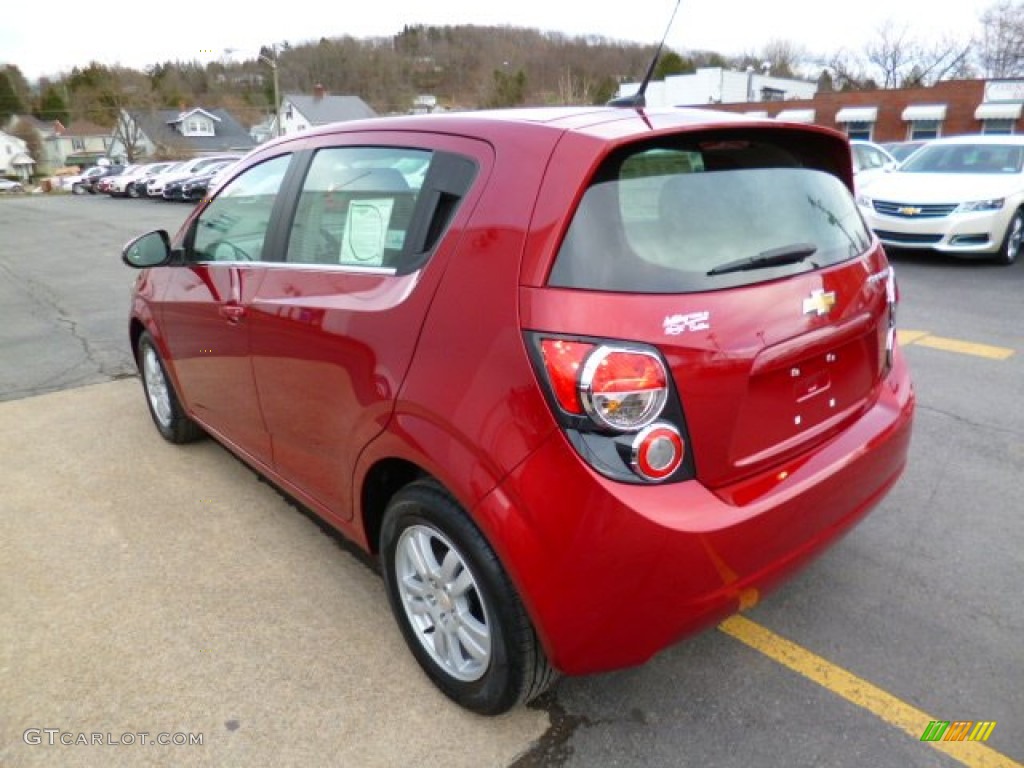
point(613, 573)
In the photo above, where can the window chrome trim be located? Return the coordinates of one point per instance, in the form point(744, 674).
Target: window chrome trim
point(353, 269)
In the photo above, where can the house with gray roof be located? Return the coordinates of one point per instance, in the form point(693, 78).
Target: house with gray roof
point(300, 111)
point(178, 133)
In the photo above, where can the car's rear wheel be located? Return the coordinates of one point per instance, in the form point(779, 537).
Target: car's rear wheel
point(1012, 242)
point(458, 611)
point(164, 405)
point(77, 189)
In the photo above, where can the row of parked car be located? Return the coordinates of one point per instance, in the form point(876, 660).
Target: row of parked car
point(186, 180)
point(960, 195)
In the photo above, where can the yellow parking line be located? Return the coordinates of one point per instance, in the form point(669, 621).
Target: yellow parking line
point(858, 691)
point(925, 339)
point(909, 337)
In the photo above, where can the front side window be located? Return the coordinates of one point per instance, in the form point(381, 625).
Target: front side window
point(868, 158)
point(234, 225)
point(356, 206)
point(681, 220)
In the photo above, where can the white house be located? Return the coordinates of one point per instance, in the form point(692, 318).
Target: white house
point(14, 157)
point(299, 112)
point(714, 85)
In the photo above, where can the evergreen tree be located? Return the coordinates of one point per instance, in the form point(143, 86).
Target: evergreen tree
point(52, 106)
point(10, 104)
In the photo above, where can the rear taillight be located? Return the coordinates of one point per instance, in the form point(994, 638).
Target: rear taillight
point(619, 388)
point(617, 405)
point(562, 361)
point(623, 389)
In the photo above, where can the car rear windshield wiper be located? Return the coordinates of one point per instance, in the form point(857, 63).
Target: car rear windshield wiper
point(775, 257)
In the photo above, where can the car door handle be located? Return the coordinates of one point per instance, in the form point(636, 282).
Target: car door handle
point(232, 312)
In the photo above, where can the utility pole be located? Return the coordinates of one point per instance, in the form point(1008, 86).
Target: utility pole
point(277, 86)
point(277, 94)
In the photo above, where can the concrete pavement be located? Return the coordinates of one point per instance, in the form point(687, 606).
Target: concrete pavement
point(148, 588)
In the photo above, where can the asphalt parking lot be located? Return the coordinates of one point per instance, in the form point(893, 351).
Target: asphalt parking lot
point(148, 589)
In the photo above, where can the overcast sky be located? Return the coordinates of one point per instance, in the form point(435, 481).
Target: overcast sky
point(53, 36)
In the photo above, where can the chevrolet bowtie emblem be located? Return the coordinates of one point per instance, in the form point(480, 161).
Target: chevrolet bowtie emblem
point(909, 210)
point(820, 303)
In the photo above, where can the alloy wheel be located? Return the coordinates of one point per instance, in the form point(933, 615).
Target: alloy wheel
point(443, 602)
point(156, 387)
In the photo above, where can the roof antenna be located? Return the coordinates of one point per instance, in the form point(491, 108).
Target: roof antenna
point(638, 100)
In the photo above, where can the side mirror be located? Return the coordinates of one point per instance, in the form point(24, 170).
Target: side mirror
point(152, 249)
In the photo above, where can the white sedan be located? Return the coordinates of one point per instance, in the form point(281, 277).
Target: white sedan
point(962, 195)
point(870, 160)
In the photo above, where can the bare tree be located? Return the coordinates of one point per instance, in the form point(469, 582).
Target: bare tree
point(784, 57)
point(846, 72)
point(1002, 39)
point(573, 88)
point(947, 59)
point(904, 62)
point(130, 136)
point(893, 53)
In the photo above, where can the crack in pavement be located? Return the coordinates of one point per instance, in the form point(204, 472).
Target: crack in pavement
point(92, 356)
point(553, 749)
point(968, 422)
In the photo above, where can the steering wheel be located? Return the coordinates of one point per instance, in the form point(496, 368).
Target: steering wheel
point(225, 250)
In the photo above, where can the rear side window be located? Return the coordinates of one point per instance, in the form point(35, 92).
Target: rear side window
point(356, 206)
point(668, 218)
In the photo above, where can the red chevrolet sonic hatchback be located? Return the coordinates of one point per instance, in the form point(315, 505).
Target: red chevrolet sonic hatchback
point(585, 380)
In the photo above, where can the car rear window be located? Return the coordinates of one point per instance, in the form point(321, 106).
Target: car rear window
point(667, 218)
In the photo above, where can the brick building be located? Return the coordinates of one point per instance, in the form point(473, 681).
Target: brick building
point(948, 108)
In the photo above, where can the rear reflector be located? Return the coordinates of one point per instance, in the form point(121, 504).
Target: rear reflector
point(658, 451)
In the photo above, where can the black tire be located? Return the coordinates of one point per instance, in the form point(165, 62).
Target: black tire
point(133, 191)
point(1013, 241)
point(164, 406)
point(475, 599)
point(77, 189)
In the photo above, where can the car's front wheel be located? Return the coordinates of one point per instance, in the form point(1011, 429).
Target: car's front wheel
point(77, 189)
point(164, 406)
point(458, 611)
point(1012, 242)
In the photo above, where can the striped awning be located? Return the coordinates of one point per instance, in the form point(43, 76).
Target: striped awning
point(995, 110)
point(916, 112)
point(857, 115)
point(796, 115)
